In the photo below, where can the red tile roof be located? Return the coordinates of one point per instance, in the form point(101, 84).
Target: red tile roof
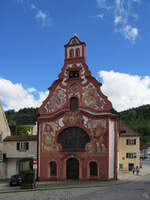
point(145, 146)
point(21, 138)
point(126, 131)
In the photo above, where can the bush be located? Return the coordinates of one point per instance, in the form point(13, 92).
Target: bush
point(28, 180)
point(24, 130)
point(27, 177)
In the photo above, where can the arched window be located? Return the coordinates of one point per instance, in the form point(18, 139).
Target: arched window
point(71, 53)
point(93, 169)
point(73, 139)
point(77, 52)
point(53, 168)
point(73, 104)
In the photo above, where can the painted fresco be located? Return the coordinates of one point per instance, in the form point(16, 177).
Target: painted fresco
point(91, 97)
point(98, 129)
point(57, 100)
point(74, 91)
point(74, 87)
point(73, 119)
point(48, 138)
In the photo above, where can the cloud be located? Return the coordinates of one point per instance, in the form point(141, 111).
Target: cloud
point(122, 15)
point(41, 16)
point(130, 32)
point(15, 96)
point(118, 19)
point(125, 91)
point(103, 4)
point(33, 6)
point(100, 16)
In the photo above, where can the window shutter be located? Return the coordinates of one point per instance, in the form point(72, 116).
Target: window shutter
point(135, 141)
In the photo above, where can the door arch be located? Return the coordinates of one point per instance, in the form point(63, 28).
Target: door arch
point(72, 168)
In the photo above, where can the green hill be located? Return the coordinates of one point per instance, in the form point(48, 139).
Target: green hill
point(139, 120)
point(12, 114)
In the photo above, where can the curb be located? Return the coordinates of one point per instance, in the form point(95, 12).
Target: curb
point(64, 187)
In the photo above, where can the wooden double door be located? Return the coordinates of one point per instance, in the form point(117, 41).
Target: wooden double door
point(72, 169)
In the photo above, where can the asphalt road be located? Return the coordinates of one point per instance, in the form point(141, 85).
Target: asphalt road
point(138, 189)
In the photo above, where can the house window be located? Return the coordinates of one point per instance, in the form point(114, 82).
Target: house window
point(0, 137)
point(93, 169)
point(131, 155)
point(131, 142)
point(74, 74)
point(22, 146)
point(122, 131)
point(73, 104)
point(120, 166)
point(53, 168)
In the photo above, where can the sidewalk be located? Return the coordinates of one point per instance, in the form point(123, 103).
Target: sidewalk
point(130, 176)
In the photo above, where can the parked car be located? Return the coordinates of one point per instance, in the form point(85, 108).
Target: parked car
point(15, 180)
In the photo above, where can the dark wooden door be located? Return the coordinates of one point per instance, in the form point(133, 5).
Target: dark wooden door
point(72, 168)
point(130, 166)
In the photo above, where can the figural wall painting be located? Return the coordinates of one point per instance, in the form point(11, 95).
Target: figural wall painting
point(96, 128)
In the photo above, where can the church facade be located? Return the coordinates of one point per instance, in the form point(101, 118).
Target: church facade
point(78, 134)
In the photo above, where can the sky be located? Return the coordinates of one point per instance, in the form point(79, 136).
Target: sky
point(32, 38)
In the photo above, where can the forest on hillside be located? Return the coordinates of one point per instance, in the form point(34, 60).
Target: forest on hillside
point(25, 112)
point(136, 118)
point(139, 120)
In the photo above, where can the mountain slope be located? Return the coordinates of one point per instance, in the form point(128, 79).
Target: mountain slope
point(139, 120)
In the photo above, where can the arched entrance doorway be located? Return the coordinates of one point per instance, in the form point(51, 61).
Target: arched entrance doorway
point(72, 168)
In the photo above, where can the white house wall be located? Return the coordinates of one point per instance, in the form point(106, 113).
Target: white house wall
point(11, 167)
point(3, 170)
point(12, 152)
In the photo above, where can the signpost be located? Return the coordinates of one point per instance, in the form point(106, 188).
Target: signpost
point(33, 156)
point(34, 167)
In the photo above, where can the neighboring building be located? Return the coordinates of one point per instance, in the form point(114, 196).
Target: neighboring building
point(77, 131)
point(19, 149)
point(4, 132)
point(16, 150)
point(129, 148)
point(145, 151)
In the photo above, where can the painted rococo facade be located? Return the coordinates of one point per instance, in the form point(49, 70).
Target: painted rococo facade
point(77, 131)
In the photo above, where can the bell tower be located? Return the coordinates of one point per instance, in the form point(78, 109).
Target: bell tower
point(74, 51)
